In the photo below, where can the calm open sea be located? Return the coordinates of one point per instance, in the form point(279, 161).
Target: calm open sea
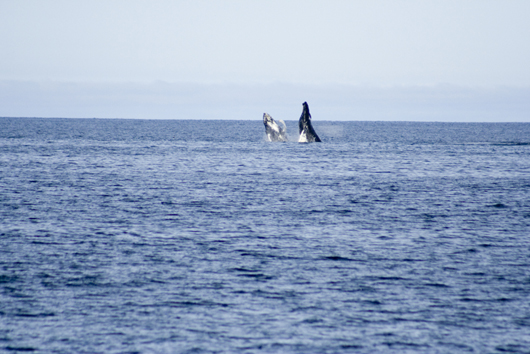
point(145, 236)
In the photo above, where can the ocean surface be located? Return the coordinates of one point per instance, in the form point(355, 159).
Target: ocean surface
point(146, 236)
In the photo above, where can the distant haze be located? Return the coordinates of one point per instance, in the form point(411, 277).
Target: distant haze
point(418, 60)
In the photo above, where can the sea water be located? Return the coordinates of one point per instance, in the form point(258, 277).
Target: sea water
point(145, 236)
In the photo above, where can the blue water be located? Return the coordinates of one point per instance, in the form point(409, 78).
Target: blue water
point(139, 236)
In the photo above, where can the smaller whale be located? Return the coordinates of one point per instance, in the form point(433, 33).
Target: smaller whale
point(307, 132)
point(274, 131)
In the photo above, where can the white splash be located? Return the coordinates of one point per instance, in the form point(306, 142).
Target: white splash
point(303, 137)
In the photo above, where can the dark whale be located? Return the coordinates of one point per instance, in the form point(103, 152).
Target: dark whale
point(307, 132)
point(274, 131)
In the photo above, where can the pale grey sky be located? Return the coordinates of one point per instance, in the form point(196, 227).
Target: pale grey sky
point(472, 44)
point(393, 42)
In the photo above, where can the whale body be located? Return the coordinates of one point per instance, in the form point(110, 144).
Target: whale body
point(307, 132)
point(274, 131)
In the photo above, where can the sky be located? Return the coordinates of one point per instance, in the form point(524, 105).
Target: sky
point(67, 57)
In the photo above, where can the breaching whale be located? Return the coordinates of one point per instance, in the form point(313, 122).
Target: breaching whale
point(274, 131)
point(307, 133)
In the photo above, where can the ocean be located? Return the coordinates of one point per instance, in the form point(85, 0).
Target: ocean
point(183, 236)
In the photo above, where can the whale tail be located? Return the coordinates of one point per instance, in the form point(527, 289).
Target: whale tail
point(307, 132)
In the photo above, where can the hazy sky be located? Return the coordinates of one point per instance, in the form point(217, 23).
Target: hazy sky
point(447, 60)
point(462, 42)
